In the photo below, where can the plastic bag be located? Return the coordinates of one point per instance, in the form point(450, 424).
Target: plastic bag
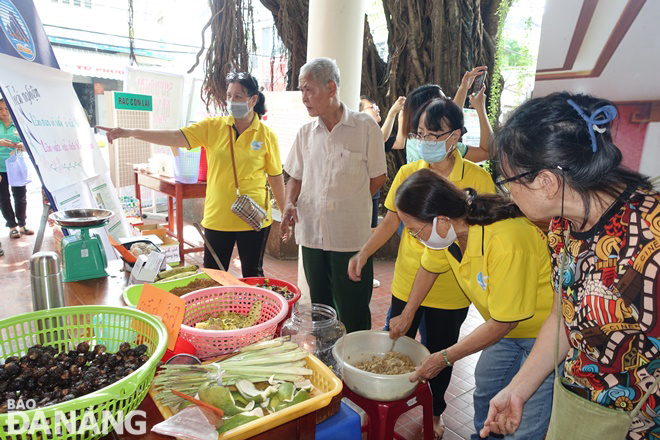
point(17, 170)
point(193, 423)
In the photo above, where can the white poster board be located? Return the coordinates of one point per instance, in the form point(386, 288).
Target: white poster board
point(286, 114)
point(53, 122)
point(196, 107)
point(166, 91)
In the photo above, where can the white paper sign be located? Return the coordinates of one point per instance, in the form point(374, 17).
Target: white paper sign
point(471, 123)
point(286, 114)
point(52, 120)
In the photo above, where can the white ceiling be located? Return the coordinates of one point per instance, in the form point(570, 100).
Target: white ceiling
point(632, 72)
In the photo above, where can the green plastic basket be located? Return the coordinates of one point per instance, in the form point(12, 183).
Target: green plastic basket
point(64, 328)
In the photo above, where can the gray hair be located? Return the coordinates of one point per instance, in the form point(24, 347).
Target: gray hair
point(322, 70)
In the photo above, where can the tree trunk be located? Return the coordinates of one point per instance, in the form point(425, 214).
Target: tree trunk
point(429, 41)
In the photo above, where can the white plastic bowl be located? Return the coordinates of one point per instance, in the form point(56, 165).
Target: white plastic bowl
point(361, 346)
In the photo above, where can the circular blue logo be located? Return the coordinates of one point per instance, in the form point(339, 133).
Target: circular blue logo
point(16, 30)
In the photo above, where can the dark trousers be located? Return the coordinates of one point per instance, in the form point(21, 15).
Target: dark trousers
point(327, 276)
point(374, 209)
point(251, 247)
point(16, 216)
point(443, 327)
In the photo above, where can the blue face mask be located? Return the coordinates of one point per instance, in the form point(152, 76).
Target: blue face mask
point(433, 151)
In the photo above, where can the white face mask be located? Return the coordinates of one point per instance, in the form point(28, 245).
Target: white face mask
point(238, 109)
point(436, 242)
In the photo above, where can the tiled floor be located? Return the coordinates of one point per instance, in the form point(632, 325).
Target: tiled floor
point(14, 276)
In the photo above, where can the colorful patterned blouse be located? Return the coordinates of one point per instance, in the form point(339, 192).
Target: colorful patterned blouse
point(610, 306)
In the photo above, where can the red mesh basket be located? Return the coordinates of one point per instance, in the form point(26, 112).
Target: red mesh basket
point(202, 304)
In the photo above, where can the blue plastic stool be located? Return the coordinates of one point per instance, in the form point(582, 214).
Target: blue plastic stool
point(344, 425)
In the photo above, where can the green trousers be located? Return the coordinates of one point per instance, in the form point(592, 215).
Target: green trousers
point(327, 276)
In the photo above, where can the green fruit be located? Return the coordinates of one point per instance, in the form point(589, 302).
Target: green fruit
point(300, 396)
point(235, 422)
point(220, 397)
point(285, 391)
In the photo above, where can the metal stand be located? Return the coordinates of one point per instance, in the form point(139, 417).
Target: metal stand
point(42, 228)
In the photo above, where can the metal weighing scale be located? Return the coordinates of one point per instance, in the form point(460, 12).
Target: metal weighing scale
point(83, 256)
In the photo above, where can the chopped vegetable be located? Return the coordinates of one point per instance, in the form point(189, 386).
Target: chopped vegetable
point(391, 363)
point(220, 397)
point(240, 419)
point(231, 320)
point(277, 360)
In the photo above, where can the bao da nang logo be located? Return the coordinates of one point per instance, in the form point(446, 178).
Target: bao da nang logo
point(16, 30)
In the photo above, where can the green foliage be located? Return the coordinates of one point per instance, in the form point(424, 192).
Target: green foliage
point(496, 86)
point(515, 55)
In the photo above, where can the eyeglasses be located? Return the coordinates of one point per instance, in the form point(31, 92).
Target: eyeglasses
point(375, 108)
point(430, 136)
point(415, 235)
point(503, 183)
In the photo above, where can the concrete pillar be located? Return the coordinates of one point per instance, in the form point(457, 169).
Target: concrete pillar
point(335, 29)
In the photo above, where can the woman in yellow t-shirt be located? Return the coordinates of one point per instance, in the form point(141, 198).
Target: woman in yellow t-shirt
point(501, 261)
point(258, 162)
point(438, 126)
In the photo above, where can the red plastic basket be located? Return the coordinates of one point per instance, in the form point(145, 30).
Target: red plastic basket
point(280, 283)
point(203, 166)
point(239, 299)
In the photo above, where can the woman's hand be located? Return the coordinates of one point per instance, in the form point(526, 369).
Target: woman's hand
point(478, 100)
point(469, 77)
point(289, 218)
point(504, 414)
point(6, 143)
point(115, 133)
point(430, 367)
point(399, 325)
point(355, 265)
point(396, 107)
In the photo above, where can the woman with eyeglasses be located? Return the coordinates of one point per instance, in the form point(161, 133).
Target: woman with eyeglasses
point(500, 261)
point(258, 164)
point(438, 128)
point(559, 162)
point(420, 96)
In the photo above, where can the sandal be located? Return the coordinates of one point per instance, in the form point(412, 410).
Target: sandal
point(14, 233)
point(26, 231)
point(438, 428)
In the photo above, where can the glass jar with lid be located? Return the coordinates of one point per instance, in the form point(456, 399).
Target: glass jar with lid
point(316, 329)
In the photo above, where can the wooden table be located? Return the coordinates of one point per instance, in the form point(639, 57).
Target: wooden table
point(108, 291)
point(176, 193)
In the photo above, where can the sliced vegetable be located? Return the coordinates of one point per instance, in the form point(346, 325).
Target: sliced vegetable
point(300, 396)
point(285, 392)
point(236, 421)
point(201, 403)
point(220, 397)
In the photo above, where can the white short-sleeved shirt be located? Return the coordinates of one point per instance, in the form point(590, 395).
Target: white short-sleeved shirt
point(334, 206)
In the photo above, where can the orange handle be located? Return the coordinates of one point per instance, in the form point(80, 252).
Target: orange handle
point(197, 402)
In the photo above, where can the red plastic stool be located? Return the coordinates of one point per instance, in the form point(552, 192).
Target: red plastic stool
point(382, 416)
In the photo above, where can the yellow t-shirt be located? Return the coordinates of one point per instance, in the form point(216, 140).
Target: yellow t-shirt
point(445, 293)
point(505, 271)
point(257, 155)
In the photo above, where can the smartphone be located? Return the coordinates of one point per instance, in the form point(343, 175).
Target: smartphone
point(478, 83)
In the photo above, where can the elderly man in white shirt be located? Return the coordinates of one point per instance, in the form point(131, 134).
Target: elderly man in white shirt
point(336, 164)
